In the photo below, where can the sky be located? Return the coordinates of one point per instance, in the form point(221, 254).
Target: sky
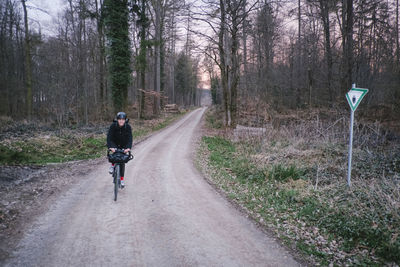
point(44, 18)
point(53, 7)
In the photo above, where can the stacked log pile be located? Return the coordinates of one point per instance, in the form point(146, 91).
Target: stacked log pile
point(150, 103)
point(245, 132)
point(151, 98)
point(171, 108)
point(163, 101)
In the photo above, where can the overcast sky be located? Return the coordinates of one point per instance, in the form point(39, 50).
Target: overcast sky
point(52, 7)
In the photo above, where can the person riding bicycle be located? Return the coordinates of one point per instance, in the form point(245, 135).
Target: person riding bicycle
point(119, 136)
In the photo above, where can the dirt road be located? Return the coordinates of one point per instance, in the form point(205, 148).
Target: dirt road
point(167, 215)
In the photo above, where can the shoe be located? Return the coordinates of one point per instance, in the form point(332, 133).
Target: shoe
point(111, 170)
point(122, 184)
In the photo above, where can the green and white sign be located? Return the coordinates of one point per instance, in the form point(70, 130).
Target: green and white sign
point(354, 97)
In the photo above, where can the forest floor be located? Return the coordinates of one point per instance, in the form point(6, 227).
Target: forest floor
point(38, 163)
point(291, 179)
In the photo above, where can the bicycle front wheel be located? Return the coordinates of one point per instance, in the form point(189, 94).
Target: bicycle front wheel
point(116, 181)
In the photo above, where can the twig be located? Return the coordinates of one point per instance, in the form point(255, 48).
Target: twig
point(333, 124)
point(316, 180)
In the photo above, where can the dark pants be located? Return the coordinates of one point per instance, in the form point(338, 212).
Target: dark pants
point(122, 169)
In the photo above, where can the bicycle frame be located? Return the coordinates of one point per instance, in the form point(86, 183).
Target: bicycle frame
point(117, 172)
point(117, 179)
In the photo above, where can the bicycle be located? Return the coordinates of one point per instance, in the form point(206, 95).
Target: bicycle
point(117, 158)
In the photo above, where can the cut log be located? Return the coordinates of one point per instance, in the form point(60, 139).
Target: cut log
point(171, 108)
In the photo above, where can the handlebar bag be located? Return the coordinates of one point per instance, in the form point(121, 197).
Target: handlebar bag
point(118, 158)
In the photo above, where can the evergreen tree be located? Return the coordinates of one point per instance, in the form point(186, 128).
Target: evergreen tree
point(139, 8)
point(116, 14)
point(214, 90)
point(185, 80)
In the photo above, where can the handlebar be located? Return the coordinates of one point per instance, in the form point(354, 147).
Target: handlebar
point(120, 150)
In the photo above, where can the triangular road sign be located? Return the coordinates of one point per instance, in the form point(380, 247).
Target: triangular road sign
point(354, 97)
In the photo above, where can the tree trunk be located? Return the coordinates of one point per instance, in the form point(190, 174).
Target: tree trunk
point(157, 84)
point(245, 66)
point(343, 69)
point(28, 64)
point(349, 42)
point(173, 56)
point(117, 31)
point(187, 46)
point(83, 60)
point(310, 80)
point(222, 55)
point(142, 58)
point(101, 73)
point(298, 91)
point(324, 6)
point(235, 65)
point(397, 35)
point(299, 24)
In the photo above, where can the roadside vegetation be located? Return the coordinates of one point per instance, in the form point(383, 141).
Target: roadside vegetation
point(28, 144)
point(292, 181)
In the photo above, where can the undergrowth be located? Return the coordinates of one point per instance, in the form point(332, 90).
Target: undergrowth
point(295, 186)
point(68, 144)
point(56, 149)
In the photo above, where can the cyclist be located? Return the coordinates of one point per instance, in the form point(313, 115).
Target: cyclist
point(119, 136)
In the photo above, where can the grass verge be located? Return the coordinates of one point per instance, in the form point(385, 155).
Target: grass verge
point(69, 144)
point(329, 222)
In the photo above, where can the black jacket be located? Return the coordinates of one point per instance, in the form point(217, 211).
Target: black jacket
point(119, 137)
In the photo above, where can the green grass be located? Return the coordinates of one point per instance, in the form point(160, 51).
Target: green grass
point(366, 231)
point(66, 147)
point(140, 131)
point(271, 192)
point(312, 250)
point(52, 151)
point(223, 153)
point(284, 173)
point(213, 121)
point(137, 133)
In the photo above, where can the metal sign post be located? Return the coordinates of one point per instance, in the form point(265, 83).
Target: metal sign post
point(350, 148)
point(354, 97)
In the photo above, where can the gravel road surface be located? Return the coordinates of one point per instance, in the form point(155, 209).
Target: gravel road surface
point(167, 215)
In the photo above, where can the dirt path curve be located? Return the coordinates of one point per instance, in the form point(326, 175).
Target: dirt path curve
point(167, 215)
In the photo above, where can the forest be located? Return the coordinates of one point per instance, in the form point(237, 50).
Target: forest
point(273, 137)
point(264, 63)
point(267, 54)
point(102, 55)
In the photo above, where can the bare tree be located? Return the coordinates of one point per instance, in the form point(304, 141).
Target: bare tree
point(101, 59)
point(325, 8)
point(348, 42)
point(158, 39)
point(397, 34)
point(28, 63)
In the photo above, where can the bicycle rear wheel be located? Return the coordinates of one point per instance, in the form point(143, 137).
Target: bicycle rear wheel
point(116, 181)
